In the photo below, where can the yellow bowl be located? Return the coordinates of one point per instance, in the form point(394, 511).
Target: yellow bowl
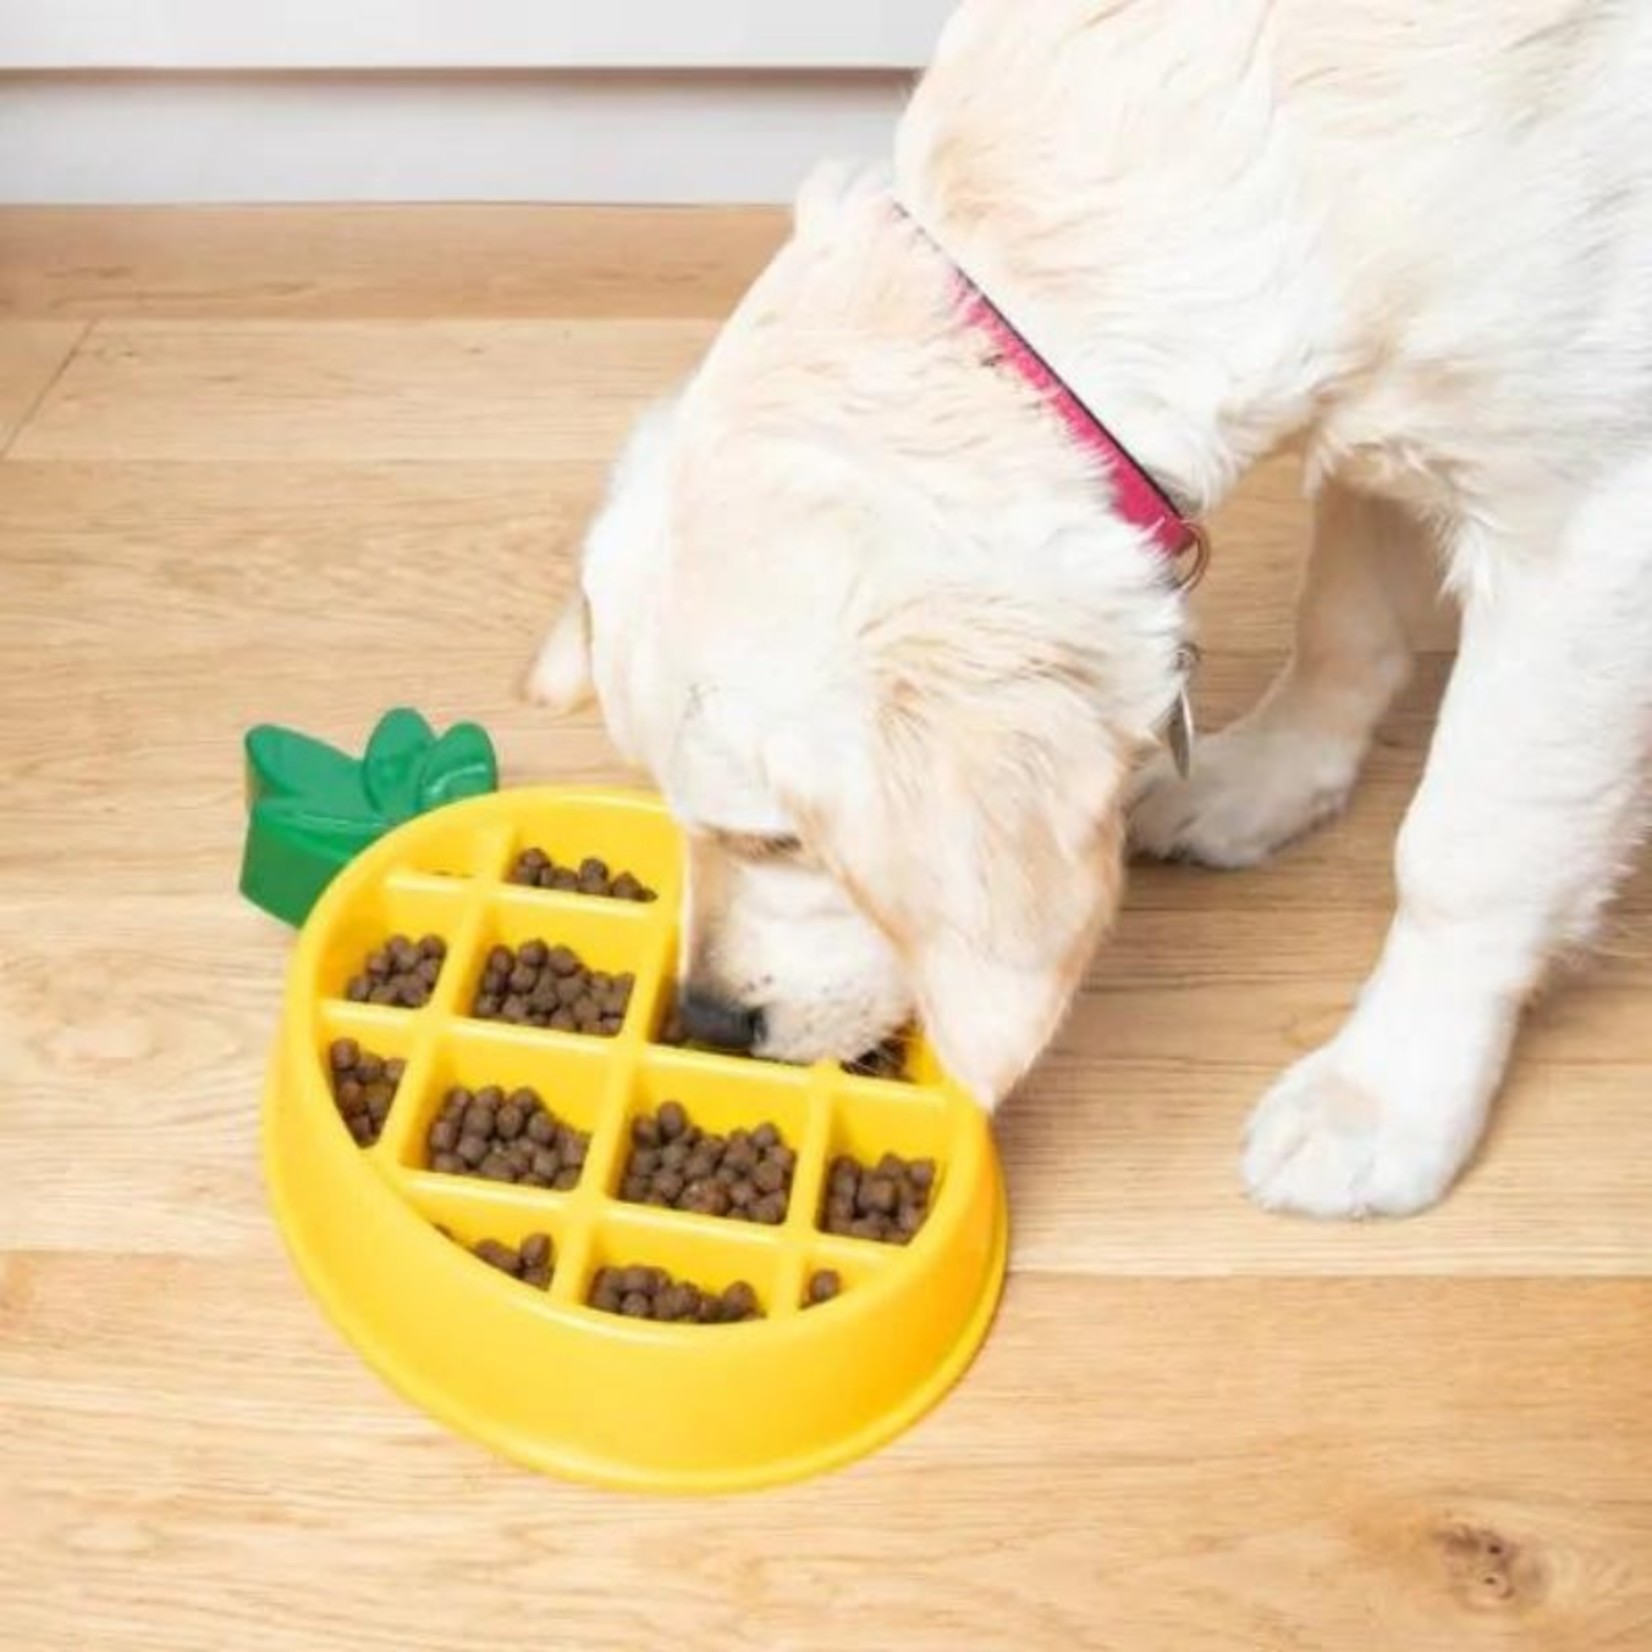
point(538, 1374)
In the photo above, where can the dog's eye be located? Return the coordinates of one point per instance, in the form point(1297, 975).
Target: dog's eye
point(756, 846)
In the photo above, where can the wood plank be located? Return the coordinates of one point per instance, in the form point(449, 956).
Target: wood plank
point(32, 354)
point(1439, 1466)
point(366, 391)
point(380, 262)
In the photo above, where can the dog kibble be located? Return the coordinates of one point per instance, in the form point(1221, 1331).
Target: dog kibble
point(399, 974)
point(533, 1261)
point(887, 1061)
point(535, 869)
point(652, 1293)
point(887, 1202)
point(538, 985)
point(364, 1086)
point(824, 1285)
point(481, 1133)
point(676, 1165)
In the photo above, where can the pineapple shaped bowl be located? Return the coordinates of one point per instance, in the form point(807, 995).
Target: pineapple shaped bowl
point(510, 1190)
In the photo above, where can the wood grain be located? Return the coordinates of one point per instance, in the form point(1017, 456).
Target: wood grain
point(305, 465)
point(368, 391)
point(1225, 1466)
point(379, 262)
point(32, 354)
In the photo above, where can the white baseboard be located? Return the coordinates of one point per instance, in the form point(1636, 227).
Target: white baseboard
point(621, 137)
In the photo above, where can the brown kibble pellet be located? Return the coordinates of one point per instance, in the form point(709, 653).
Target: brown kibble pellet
point(878, 1196)
point(449, 1164)
point(675, 1302)
point(567, 1179)
point(824, 1284)
point(343, 1054)
point(740, 1301)
point(770, 1209)
point(499, 1256)
point(673, 1120)
point(472, 1150)
point(536, 1250)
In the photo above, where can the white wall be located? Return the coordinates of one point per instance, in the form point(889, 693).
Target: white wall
point(468, 34)
point(577, 100)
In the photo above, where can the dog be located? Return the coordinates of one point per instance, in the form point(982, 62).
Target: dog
point(876, 621)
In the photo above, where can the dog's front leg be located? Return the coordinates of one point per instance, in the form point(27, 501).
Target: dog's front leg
point(1291, 761)
point(1528, 810)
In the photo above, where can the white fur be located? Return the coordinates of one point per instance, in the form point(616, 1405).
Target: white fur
point(860, 590)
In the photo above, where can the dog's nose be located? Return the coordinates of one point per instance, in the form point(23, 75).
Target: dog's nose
point(708, 1019)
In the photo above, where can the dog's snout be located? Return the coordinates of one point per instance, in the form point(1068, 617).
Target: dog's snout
point(709, 1019)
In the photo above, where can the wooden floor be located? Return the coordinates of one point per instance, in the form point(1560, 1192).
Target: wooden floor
point(303, 465)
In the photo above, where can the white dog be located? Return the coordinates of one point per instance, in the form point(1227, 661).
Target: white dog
point(872, 612)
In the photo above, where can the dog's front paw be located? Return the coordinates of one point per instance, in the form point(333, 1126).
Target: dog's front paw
point(1252, 789)
point(1327, 1141)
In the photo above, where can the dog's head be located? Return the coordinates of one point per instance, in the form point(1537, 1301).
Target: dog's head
point(864, 615)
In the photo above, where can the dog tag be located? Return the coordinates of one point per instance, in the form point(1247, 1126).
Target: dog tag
point(1179, 735)
point(1179, 732)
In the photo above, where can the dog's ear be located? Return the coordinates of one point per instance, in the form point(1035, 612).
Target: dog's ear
point(974, 810)
point(560, 676)
point(631, 514)
point(835, 187)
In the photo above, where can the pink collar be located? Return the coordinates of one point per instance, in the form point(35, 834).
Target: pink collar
point(1137, 497)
